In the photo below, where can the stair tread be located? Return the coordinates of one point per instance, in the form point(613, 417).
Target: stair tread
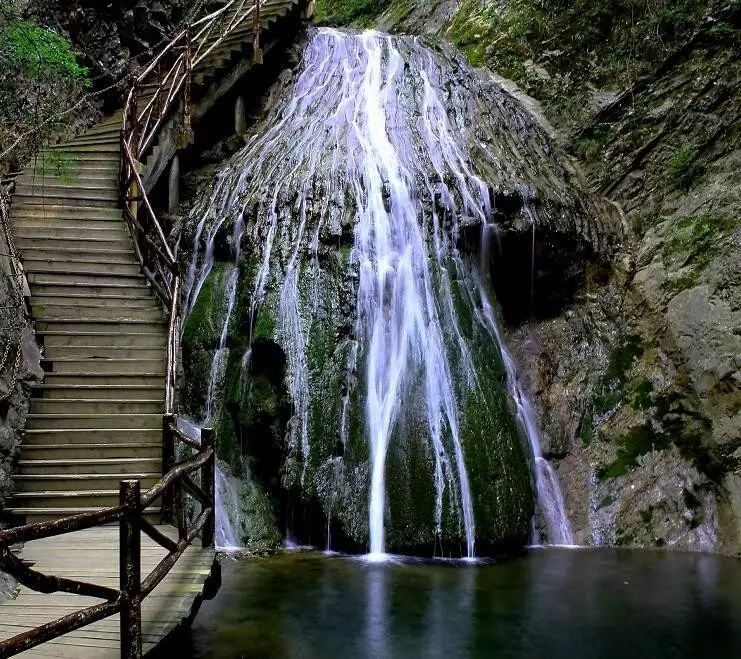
point(65, 493)
point(64, 512)
point(37, 431)
point(86, 461)
point(49, 447)
point(49, 477)
point(99, 415)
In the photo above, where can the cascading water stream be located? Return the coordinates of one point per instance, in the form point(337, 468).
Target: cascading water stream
point(367, 138)
point(226, 495)
point(547, 488)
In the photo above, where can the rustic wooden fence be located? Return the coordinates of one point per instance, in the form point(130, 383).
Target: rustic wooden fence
point(130, 515)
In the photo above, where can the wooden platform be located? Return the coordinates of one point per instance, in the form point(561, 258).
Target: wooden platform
point(92, 556)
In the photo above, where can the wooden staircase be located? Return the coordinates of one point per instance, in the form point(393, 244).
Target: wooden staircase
point(97, 418)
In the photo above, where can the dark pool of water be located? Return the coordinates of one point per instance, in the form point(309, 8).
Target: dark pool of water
point(570, 604)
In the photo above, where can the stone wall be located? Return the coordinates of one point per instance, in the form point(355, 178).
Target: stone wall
point(19, 363)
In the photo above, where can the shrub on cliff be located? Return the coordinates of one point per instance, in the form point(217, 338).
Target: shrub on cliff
point(40, 77)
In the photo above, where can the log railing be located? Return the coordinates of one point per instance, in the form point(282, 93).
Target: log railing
point(164, 86)
point(130, 516)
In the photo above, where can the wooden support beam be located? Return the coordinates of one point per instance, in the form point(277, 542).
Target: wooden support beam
point(208, 482)
point(130, 571)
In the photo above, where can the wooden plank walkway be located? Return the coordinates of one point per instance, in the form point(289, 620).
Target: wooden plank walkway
point(92, 556)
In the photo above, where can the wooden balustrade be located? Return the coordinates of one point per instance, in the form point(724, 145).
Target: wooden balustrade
point(131, 517)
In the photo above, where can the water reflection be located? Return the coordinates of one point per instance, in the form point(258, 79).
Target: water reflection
point(554, 603)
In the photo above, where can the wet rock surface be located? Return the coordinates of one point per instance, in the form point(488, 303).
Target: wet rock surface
point(294, 375)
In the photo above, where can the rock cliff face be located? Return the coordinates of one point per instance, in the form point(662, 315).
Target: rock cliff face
point(637, 379)
point(19, 368)
point(114, 38)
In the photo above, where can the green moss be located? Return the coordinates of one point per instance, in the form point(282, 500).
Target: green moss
point(684, 169)
point(694, 241)
point(496, 458)
point(632, 445)
point(264, 327)
point(410, 489)
point(349, 12)
point(610, 389)
point(590, 43)
point(203, 326)
point(591, 146)
point(641, 395)
point(690, 246)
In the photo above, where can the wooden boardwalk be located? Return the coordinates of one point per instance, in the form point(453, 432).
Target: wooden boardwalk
point(93, 556)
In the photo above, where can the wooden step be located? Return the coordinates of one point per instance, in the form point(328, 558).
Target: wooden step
point(68, 405)
point(93, 421)
point(53, 299)
point(103, 381)
point(81, 187)
point(84, 279)
point(57, 482)
point(61, 498)
point(151, 340)
point(122, 312)
point(92, 436)
point(68, 362)
point(90, 466)
point(102, 365)
point(38, 515)
point(97, 387)
point(106, 138)
point(110, 234)
point(57, 225)
point(116, 242)
point(138, 290)
point(83, 325)
point(36, 209)
point(91, 178)
point(101, 267)
point(105, 147)
point(77, 199)
point(78, 451)
point(81, 254)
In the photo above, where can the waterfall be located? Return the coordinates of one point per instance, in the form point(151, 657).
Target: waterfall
point(227, 508)
point(547, 487)
point(376, 150)
point(227, 511)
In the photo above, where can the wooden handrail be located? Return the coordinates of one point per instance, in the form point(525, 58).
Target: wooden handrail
point(130, 512)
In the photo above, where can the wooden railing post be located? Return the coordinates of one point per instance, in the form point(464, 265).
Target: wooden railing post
point(168, 462)
point(208, 483)
point(130, 570)
point(256, 28)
